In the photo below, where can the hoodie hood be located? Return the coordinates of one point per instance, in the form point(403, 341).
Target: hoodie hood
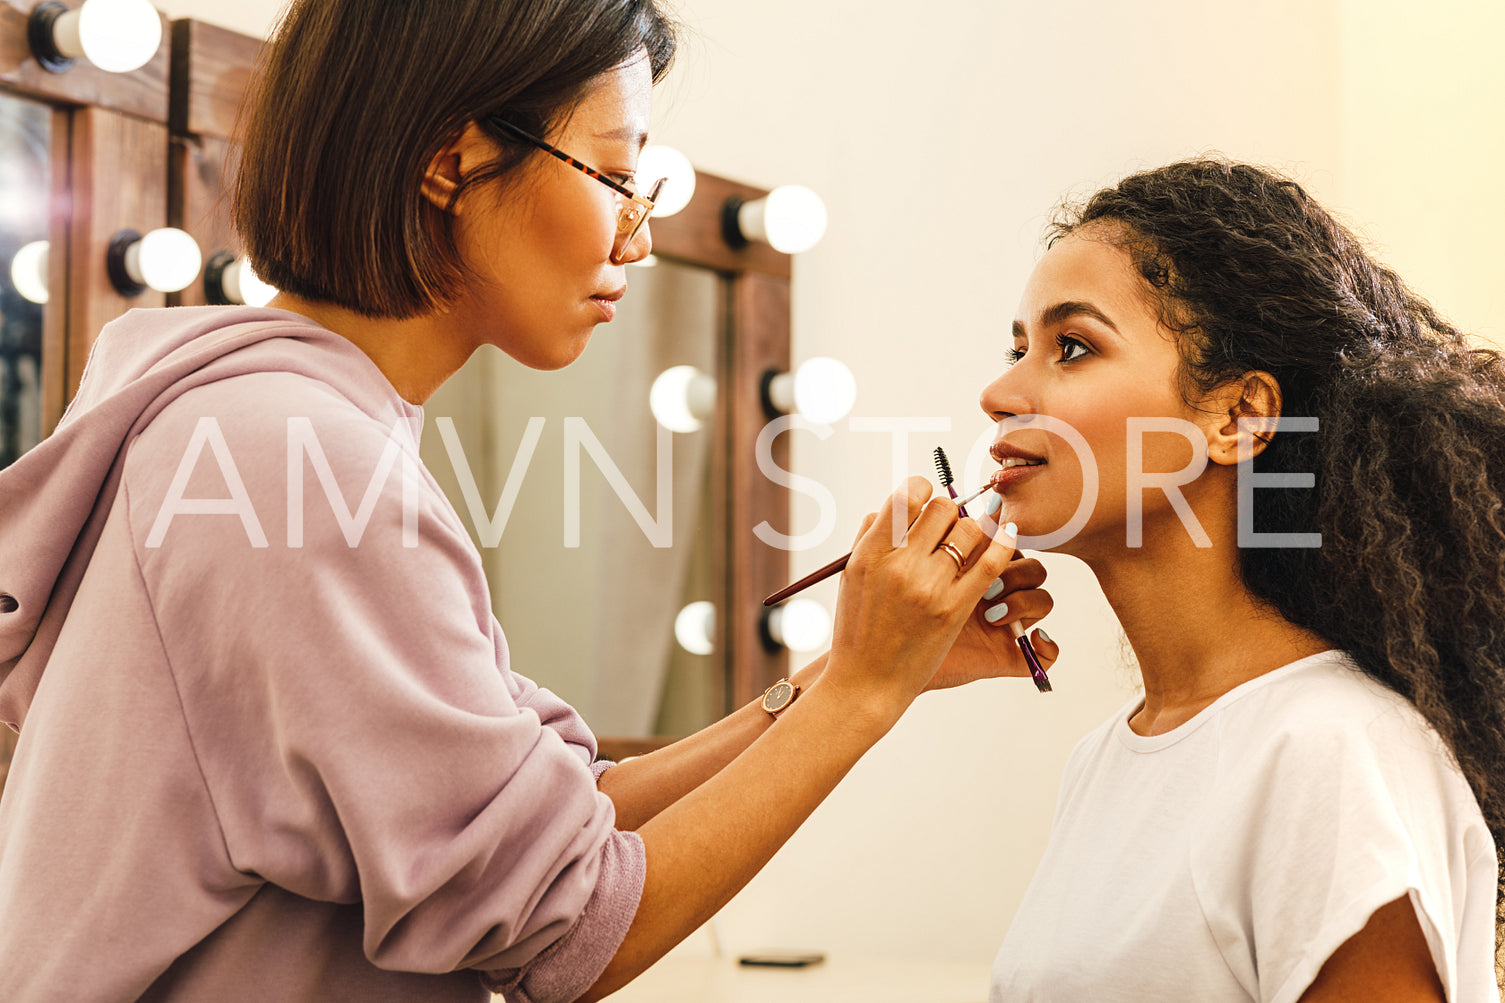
point(54, 500)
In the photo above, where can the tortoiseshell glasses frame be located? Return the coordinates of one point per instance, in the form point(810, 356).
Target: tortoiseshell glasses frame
point(633, 209)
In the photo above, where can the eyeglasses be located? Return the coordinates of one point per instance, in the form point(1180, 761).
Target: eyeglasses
point(633, 209)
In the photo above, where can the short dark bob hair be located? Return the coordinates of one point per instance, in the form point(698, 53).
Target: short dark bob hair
point(354, 99)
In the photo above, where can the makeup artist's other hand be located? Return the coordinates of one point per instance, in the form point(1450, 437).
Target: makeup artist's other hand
point(986, 649)
point(900, 608)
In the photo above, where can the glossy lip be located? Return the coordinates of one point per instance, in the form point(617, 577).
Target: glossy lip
point(1001, 451)
point(1003, 480)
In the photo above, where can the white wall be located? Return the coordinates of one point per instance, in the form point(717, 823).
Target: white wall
point(941, 135)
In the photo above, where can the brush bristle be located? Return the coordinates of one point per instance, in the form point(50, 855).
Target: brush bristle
point(943, 467)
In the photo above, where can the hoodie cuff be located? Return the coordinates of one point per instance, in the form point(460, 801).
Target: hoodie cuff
point(599, 767)
point(572, 964)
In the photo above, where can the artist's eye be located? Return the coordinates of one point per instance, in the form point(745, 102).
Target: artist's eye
point(1070, 348)
point(1013, 355)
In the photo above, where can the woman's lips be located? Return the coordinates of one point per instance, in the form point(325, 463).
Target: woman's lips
point(1011, 476)
point(607, 307)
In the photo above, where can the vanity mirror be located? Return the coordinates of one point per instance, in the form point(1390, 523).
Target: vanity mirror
point(623, 565)
point(25, 192)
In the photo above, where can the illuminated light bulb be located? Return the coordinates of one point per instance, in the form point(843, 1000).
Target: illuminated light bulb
point(253, 291)
point(232, 280)
point(115, 35)
point(166, 259)
point(822, 389)
point(695, 628)
point(790, 219)
point(799, 625)
point(666, 162)
point(681, 398)
point(28, 270)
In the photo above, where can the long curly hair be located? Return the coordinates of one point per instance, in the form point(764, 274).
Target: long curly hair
point(1252, 274)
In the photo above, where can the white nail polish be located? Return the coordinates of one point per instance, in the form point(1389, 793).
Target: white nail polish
point(1012, 530)
point(997, 613)
point(994, 589)
point(993, 503)
point(1043, 636)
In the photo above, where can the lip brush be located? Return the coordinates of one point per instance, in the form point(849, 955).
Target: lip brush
point(834, 568)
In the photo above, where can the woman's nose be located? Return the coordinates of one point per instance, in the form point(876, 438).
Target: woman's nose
point(1004, 397)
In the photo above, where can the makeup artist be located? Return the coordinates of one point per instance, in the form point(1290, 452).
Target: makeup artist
point(271, 744)
point(1307, 802)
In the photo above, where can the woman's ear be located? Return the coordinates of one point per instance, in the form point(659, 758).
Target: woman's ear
point(1246, 408)
point(468, 151)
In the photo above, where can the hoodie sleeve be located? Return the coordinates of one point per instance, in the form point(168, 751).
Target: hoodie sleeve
point(345, 687)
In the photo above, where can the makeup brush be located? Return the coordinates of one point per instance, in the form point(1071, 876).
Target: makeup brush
point(1042, 681)
point(835, 567)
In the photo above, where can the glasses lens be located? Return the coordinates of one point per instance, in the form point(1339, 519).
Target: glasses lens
point(632, 214)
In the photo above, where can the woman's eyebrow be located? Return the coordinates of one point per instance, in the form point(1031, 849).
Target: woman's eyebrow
point(1071, 308)
point(627, 133)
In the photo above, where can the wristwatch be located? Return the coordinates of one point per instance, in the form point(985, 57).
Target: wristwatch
point(779, 696)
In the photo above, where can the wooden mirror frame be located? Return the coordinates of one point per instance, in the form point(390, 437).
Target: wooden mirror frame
point(211, 70)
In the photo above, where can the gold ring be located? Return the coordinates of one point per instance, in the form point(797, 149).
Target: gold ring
point(953, 553)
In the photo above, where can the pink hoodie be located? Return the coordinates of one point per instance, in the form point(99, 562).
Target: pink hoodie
point(270, 745)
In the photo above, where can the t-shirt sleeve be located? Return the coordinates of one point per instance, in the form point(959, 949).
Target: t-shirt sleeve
point(1318, 825)
point(342, 686)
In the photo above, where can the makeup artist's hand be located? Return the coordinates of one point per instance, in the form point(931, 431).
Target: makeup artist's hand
point(986, 649)
point(900, 608)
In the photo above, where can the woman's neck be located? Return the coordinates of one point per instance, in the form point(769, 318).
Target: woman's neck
point(1196, 630)
point(415, 354)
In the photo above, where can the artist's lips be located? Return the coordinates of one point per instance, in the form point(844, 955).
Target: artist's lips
point(607, 302)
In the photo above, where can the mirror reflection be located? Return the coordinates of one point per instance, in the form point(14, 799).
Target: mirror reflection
point(24, 189)
point(596, 525)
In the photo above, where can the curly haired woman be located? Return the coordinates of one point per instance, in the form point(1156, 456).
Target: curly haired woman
point(1299, 471)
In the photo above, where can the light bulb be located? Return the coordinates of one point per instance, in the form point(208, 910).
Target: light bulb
point(800, 625)
point(790, 219)
point(666, 162)
point(822, 389)
point(114, 35)
point(695, 628)
point(28, 270)
point(243, 286)
point(681, 398)
point(166, 259)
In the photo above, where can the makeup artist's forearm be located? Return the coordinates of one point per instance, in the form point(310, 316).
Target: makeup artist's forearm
point(707, 845)
point(646, 785)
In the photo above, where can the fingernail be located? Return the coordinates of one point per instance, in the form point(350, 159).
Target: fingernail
point(1043, 636)
point(994, 589)
point(1012, 530)
point(997, 613)
point(993, 503)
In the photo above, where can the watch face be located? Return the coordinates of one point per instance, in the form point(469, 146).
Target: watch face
point(778, 696)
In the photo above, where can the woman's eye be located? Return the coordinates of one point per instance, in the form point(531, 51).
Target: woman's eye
point(1070, 348)
point(1013, 355)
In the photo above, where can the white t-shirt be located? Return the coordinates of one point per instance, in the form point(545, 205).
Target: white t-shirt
point(1229, 858)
